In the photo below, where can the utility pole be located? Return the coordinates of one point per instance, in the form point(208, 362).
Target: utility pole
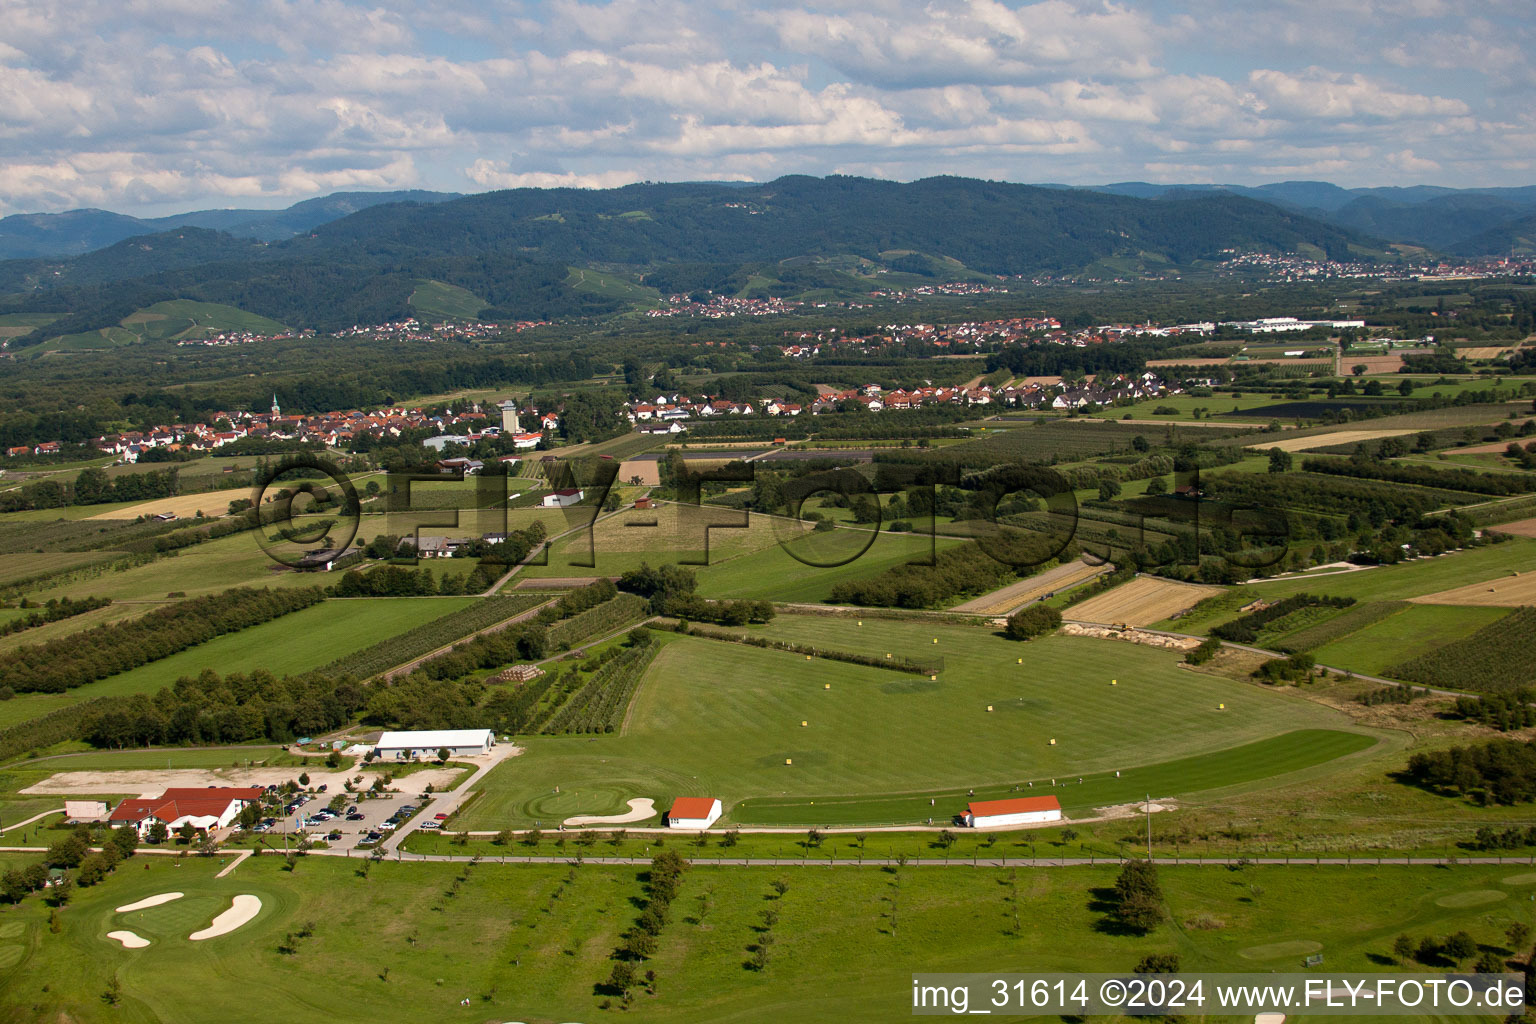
point(1149, 827)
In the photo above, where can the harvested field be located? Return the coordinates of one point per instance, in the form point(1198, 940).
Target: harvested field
point(1510, 591)
point(1337, 437)
point(1491, 448)
point(1518, 528)
point(1135, 636)
point(1485, 351)
point(1388, 363)
point(1016, 595)
point(1142, 601)
point(185, 506)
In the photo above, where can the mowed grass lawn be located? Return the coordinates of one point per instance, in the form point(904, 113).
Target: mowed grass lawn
point(720, 719)
point(409, 943)
point(288, 645)
point(1417, 629)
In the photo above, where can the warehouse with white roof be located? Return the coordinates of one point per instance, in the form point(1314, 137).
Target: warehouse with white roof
point(404, 746)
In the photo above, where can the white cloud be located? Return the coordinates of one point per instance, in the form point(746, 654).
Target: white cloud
point(135, 102)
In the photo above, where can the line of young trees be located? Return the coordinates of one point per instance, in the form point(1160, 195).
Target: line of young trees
point(56, 610)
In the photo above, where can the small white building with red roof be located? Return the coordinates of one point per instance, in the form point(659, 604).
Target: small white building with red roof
point(1028, 810)
point(698, 812)
point(204, 809)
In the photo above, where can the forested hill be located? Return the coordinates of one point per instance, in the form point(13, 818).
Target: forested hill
point(993, 227)
point(513, 249)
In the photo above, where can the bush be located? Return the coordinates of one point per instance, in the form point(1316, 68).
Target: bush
point(1036, 620)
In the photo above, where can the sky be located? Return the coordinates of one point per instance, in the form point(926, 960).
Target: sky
point(154, 106)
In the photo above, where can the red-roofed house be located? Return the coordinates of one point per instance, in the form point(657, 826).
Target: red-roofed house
point(205, 809)
point(1022, 811)
point(693, 812)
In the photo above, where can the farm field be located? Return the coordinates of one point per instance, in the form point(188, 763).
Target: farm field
point(666, 533)
point(1232, 408)
point(1519, 528)
point(211, 566)
point(837, 955)
point(1016, 595)
point(1410, 632)
point(1510, 590)
point(185, 506)
point(1301, 444)
point(73, 512)
point(24, 566)
point(717, 718)
point(774, 574)
point(1142, 601)
point(1407, 580)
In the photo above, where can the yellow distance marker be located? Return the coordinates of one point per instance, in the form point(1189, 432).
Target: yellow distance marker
point(1114, 682)
point(789, 760)
point(826, 686)
point(803, 724)
point(1053, 742)
point(1221, 707)
point(989, 707)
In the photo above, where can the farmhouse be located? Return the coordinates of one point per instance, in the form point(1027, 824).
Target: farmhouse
point(402, 746)
point(693, 812)
point(1022, 811)
point(203, 809)
point(563, 497)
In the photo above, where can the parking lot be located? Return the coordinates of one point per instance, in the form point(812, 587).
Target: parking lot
point(363, 821)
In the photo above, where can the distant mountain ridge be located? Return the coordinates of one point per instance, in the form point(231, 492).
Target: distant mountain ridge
point(797, 236)
point(1435, 216)
point(52, 235)
point(1449, 219)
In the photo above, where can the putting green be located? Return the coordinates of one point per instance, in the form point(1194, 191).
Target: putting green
point(1276, 950)
point(1475, 898)
point(1529, 878)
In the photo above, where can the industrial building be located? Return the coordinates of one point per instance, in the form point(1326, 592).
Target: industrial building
point(405, 746)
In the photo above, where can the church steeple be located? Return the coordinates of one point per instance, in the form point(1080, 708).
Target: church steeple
point(275, 410)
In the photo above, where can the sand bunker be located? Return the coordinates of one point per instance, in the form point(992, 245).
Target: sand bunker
point(640, 809)
point(240, 912)
point(150, 901)
point(129, 939)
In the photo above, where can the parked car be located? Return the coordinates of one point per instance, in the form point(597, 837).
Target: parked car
point(440, 816)
point(431, 824)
